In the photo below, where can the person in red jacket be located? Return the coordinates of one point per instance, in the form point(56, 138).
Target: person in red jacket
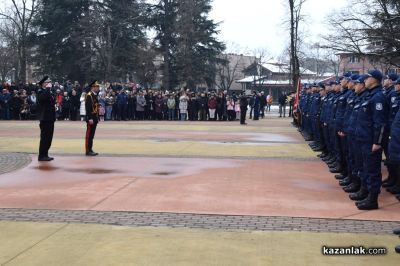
point(212, 107)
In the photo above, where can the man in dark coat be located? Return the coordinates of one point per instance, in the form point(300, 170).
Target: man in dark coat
point(256, 106)
point(243, 109)
point(282, 104)
point(46, 114)
point(92, 116)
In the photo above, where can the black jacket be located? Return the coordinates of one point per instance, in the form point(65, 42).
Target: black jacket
point(46, 110)
point(92, 107)
point(243, 102)
point(282, 99)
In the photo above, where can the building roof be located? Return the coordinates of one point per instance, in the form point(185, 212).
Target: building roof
point(263, 80)
point(280, 68)
point(251, 79)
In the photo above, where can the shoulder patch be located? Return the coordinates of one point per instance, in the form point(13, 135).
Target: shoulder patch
point(379, 107)
point(393, 99)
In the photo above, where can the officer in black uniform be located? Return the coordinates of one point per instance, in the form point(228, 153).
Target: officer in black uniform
point(243, 108)
point(46, 114)
point(92, 116)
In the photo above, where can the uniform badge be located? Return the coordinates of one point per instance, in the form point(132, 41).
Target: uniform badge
point(379, 107)
point(393, 99)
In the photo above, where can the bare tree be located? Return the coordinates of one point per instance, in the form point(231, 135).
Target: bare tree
point(20, 15)
point(8, 51)
point(369, 27)
point(295, 7)
point(227, 71)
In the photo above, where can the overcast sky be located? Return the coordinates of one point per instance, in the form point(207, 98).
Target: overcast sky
point(257, 24)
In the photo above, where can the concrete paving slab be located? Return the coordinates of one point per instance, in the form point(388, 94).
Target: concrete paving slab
point(77, 244)
point(218, 186)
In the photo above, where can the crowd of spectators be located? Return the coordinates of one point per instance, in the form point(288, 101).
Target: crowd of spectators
point(123, 102)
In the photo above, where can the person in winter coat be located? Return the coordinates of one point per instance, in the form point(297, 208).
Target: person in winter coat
point(75, 104)
point(65, 107)
point(183, 106)
point(282, 105)
point(203, 106)
point(212, 107)
point(171, 104)
point(82, 109)
point(230, 107)
point(193, 108)
point(256, 106)
point(140, 106)
point(159, 105)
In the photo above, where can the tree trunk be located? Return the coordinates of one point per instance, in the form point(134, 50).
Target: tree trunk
point(166, 68)
point(22, 63)
point(294, 60)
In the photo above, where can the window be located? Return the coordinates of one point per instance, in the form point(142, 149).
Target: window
point(354, 59)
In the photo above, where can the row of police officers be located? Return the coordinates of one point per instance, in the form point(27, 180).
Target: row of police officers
point(353, 121)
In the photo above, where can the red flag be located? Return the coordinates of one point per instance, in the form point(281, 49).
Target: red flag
point(296, 102)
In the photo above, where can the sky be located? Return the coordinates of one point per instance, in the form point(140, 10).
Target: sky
point(251, 25)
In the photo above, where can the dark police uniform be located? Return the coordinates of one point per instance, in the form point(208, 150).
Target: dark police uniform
point(92, 113)
point(394, 144)
point(371, 122)
point(46, 113)
point(357, 184)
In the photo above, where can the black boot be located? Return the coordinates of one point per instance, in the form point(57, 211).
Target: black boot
point(397, 249)
point(340, 177)
point(354, 186)
point(361, 195)
point(331, 161)
point(389, 182)
point(392, 178)
point(396, 231)
point(336, 169)
point(327, 158)
point(395, 189)
point(370, 203)
point(345, 182)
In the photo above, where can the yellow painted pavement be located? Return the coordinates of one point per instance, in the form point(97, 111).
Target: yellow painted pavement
point(263, 126)
point(63, 144)
point(152, 147)
point(26, 243)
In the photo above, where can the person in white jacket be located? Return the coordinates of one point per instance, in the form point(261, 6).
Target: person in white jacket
point(183, 106)
point(82, 109)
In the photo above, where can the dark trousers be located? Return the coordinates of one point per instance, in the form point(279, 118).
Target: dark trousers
point(139, 115)
point(256, 112)
point(262, 111)
point(282, 110)
point(243, 112)
point(202, 115)
point(90, 131)
point(344, 151)
point(372, 167)
point(46, 137)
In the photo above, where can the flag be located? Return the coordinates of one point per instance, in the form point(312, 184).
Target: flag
point(298, 90)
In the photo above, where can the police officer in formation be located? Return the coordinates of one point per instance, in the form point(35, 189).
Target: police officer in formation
point(353, 121)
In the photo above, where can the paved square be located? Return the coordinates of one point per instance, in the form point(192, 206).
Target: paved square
point(217, 176)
